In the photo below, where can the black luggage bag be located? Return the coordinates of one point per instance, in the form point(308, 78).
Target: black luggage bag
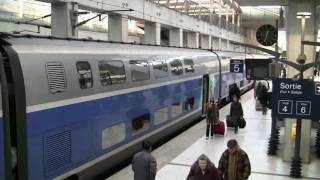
point(229, 121)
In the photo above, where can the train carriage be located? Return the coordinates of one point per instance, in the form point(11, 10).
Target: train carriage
point(80, 107)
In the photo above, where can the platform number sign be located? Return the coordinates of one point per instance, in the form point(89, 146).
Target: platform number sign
point(285, 107)
point(303, 107)
point(236, 66)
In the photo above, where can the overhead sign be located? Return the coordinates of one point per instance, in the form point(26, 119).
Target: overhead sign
point(236, 66)
point(257, 69)
point(295, 99)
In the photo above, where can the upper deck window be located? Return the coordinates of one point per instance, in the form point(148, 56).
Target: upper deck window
point(176, 67)
point(111, 72)
point(139, 70)
point(85, 74)
point(160, 68)
point(188, 65)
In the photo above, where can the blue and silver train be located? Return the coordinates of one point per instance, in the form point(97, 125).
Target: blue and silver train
point(72, 108)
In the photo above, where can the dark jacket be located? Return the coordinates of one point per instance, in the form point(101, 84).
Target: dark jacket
point(211, 172)
point(258, 89)
point(144, 166)
point(234, 90)
point(263, 97)
point(243, 167)
point(236, 110)
point(212, 113)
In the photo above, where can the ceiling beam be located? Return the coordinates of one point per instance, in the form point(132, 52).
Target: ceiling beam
point(262, 3)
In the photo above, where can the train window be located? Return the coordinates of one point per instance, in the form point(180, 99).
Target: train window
point(189, 104)
point(85, 74)
point(176, 109)
point(161, 115)
point(140, 123)
point(176, 67)
point(56, 77)
point(113, 135)
point(160, 68)
point(111, 72)
point(139, 70)
point(188, 65)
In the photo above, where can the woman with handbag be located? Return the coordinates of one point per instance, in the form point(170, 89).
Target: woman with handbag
point(212, 117)
point(236, 112)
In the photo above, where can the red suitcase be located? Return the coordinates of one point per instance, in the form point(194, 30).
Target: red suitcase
point(219, 128)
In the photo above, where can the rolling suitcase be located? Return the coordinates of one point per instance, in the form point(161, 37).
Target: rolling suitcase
point(219, 128)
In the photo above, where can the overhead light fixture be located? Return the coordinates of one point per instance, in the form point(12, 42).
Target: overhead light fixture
point(305, 15)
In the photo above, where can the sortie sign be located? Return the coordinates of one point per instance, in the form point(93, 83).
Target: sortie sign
point(295, 99)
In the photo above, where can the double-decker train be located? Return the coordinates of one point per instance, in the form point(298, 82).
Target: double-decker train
point(72, 108)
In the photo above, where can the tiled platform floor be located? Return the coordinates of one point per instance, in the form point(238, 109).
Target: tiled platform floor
point(175, 157)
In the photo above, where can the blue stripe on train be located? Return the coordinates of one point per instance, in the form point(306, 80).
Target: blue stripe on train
point(2, 170)
point(62, 138)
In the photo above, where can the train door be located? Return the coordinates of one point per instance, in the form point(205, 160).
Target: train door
point(12, 121)
point(205, 94)
point(5, 171)
point(2, 153)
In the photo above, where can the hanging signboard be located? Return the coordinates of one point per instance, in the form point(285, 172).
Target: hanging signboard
point(295, 99)
point(236, 66)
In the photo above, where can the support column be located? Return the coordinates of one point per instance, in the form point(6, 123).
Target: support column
point(176, 37)
point(238, 23)
point(233, 22)
point(197, 40)
point(152, 33)
point(205, 41)
point(228, 31)
point(220, 29)
point(64, 20)
point(117, 28)
point(288, 140)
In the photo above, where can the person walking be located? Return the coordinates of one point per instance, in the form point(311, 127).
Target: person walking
point(203, 169)
point(236, 113)
point(258, 90)
point(263, 98)
point(211, 117)
point(234, 163)
point(144, 165)
point(234, 91)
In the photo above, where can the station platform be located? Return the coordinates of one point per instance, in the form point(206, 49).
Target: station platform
point(175, 157)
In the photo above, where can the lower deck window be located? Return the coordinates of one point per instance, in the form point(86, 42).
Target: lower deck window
point(113, 135)
point(161, 115)
point(140, 123)
point(189, 104)
point(176, 109)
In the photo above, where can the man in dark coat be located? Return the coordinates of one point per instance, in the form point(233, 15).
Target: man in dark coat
point(203, 169)
point(234, 163)
point(236, 112)
point(263, 98)
point(144, 165)
point(234, 91)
